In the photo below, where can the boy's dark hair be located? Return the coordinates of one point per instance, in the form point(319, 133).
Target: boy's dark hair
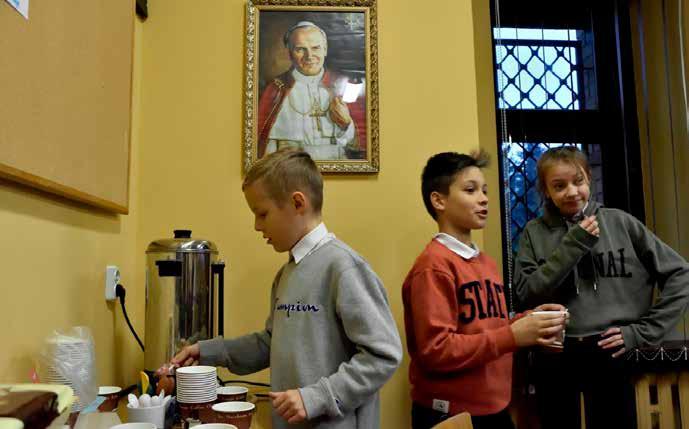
point(440, 171)
point(285, 171)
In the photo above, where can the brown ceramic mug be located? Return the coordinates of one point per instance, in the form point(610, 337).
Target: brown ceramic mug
point(238, 413)
point(199, 411)
point(232, 393)
point(112, 397)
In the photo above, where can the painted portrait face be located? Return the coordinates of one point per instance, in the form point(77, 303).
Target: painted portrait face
point(307, 50)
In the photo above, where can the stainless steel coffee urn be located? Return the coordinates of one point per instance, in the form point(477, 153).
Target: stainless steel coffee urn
point(183, 304)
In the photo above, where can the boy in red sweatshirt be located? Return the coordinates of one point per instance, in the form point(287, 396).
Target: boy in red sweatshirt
point(459, 334)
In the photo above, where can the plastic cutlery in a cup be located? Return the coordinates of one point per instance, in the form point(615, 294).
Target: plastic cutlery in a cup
point(167, 400)
point(145, 400)
point(133, 401)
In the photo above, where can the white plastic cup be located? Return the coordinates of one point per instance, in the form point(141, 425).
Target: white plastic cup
point(155, 415)
point(560, 341)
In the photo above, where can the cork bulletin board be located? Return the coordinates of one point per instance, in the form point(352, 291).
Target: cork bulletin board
point(65, 98)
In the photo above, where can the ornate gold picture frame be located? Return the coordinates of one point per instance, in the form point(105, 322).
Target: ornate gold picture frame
point(311, 77)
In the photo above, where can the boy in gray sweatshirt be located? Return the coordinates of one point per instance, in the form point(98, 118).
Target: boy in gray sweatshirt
point(330, 339)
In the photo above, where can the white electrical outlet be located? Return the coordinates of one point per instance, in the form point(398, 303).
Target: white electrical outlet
point(112, 278)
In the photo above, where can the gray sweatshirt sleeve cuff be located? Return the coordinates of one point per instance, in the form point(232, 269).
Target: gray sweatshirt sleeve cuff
point(629, 338)
point(212, 352)
point(319, 399)
point(581, 236)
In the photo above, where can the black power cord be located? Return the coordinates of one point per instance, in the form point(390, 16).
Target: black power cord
point(120, 291)
point(251, 383)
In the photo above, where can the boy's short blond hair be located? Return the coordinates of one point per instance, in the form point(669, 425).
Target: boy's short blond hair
point(285, 171)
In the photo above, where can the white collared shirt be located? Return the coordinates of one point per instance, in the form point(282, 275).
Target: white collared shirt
point(310, 242)
point(466, 252)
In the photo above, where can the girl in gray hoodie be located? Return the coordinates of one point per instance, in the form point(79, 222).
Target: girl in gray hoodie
point(602, 264)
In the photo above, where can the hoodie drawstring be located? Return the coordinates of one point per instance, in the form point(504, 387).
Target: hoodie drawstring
point(570, 224)
point(595, 273)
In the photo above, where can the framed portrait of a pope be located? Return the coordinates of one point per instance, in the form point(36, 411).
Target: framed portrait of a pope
point(311, 80)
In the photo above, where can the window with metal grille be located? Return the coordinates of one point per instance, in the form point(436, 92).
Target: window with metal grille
point(563, 78)
point(535, 69)
point(540, 68)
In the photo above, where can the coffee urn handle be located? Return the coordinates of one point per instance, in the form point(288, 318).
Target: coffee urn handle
point(219, 269)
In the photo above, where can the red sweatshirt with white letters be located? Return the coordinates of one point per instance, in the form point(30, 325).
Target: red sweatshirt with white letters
point(458, 333)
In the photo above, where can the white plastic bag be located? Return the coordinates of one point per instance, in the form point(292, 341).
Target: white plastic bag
point(69, 358)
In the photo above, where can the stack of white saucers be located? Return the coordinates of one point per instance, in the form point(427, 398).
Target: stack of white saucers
point(197, 384)
point(70, 361)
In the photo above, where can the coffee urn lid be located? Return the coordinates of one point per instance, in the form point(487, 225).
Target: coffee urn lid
point(182, 242)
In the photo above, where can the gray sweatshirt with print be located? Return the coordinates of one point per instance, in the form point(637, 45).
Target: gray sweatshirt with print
point(329, 333)
point(604, 281)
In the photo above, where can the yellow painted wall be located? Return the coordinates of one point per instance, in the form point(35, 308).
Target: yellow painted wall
point(53, 263)
point(52, 273)
point(191, 135)
point(186, 172)
point(485, 113)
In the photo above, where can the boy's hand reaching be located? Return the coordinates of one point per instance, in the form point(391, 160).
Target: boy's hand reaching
point(289, 405)
point(186, 357)
point(189, 355)
point(540, 329)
